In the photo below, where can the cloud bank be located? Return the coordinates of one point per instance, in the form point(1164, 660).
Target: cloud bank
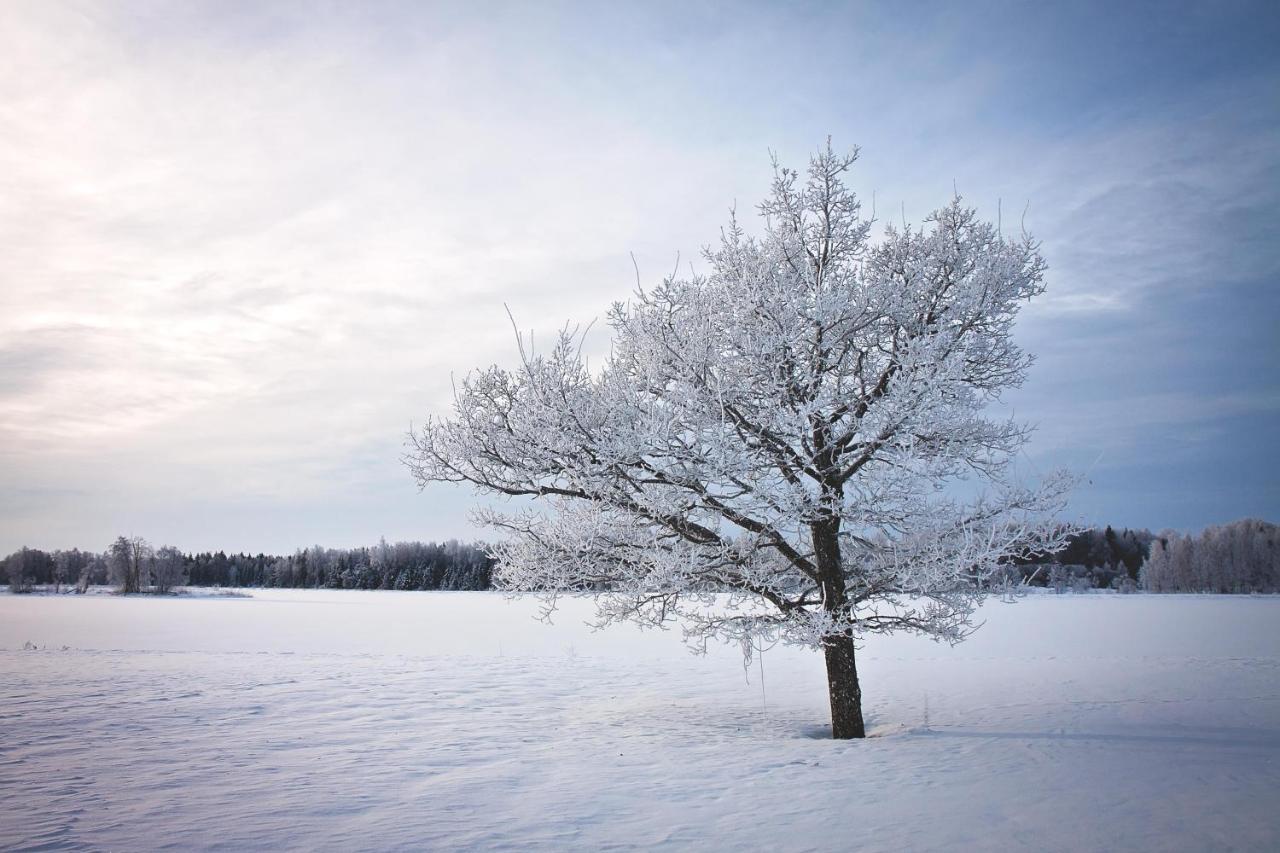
point(242, 248)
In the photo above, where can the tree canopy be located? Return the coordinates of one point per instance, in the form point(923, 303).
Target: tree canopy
point(787, 428)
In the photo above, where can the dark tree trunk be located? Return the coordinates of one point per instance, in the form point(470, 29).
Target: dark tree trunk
point(842, 684)
point(842, 671)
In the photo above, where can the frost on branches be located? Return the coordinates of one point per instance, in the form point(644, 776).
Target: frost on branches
point(786, 429)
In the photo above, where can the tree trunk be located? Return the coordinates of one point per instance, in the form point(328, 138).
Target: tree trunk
point(842, 671)
point(842, 683)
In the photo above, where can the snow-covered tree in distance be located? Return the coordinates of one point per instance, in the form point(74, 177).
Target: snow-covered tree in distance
point(769, 451)
point(128, 562)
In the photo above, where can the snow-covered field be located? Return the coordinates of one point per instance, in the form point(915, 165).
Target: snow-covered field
point(443, 721)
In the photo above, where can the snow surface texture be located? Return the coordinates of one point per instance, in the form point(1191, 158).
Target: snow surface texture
point(358, 720)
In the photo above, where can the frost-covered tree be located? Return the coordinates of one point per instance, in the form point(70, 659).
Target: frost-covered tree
point(128, 562)
point(783, 429)
point(168, 569)
point(1243, 556)
point(1182, 563)
point(20, 569)
point(1154, 575)
point(67, 566)
point(381, 558)
point(86, 574)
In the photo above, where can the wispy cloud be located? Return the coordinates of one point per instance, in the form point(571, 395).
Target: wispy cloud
point(242, 246)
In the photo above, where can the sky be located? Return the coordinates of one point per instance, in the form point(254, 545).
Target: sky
point(244, 246)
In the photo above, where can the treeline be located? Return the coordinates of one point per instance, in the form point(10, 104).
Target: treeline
point(1243, 556)
point(1093, 558)
point(132, 565)
point(1240, 557)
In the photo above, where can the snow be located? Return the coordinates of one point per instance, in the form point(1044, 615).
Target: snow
point(362, 720)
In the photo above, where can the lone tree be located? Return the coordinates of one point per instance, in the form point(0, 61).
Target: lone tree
point(788, 429)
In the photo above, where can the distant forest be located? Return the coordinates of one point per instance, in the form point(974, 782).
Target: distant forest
point(132, 565)
point(1240, 557)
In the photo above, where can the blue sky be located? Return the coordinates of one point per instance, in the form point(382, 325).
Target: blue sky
point(243, 245)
